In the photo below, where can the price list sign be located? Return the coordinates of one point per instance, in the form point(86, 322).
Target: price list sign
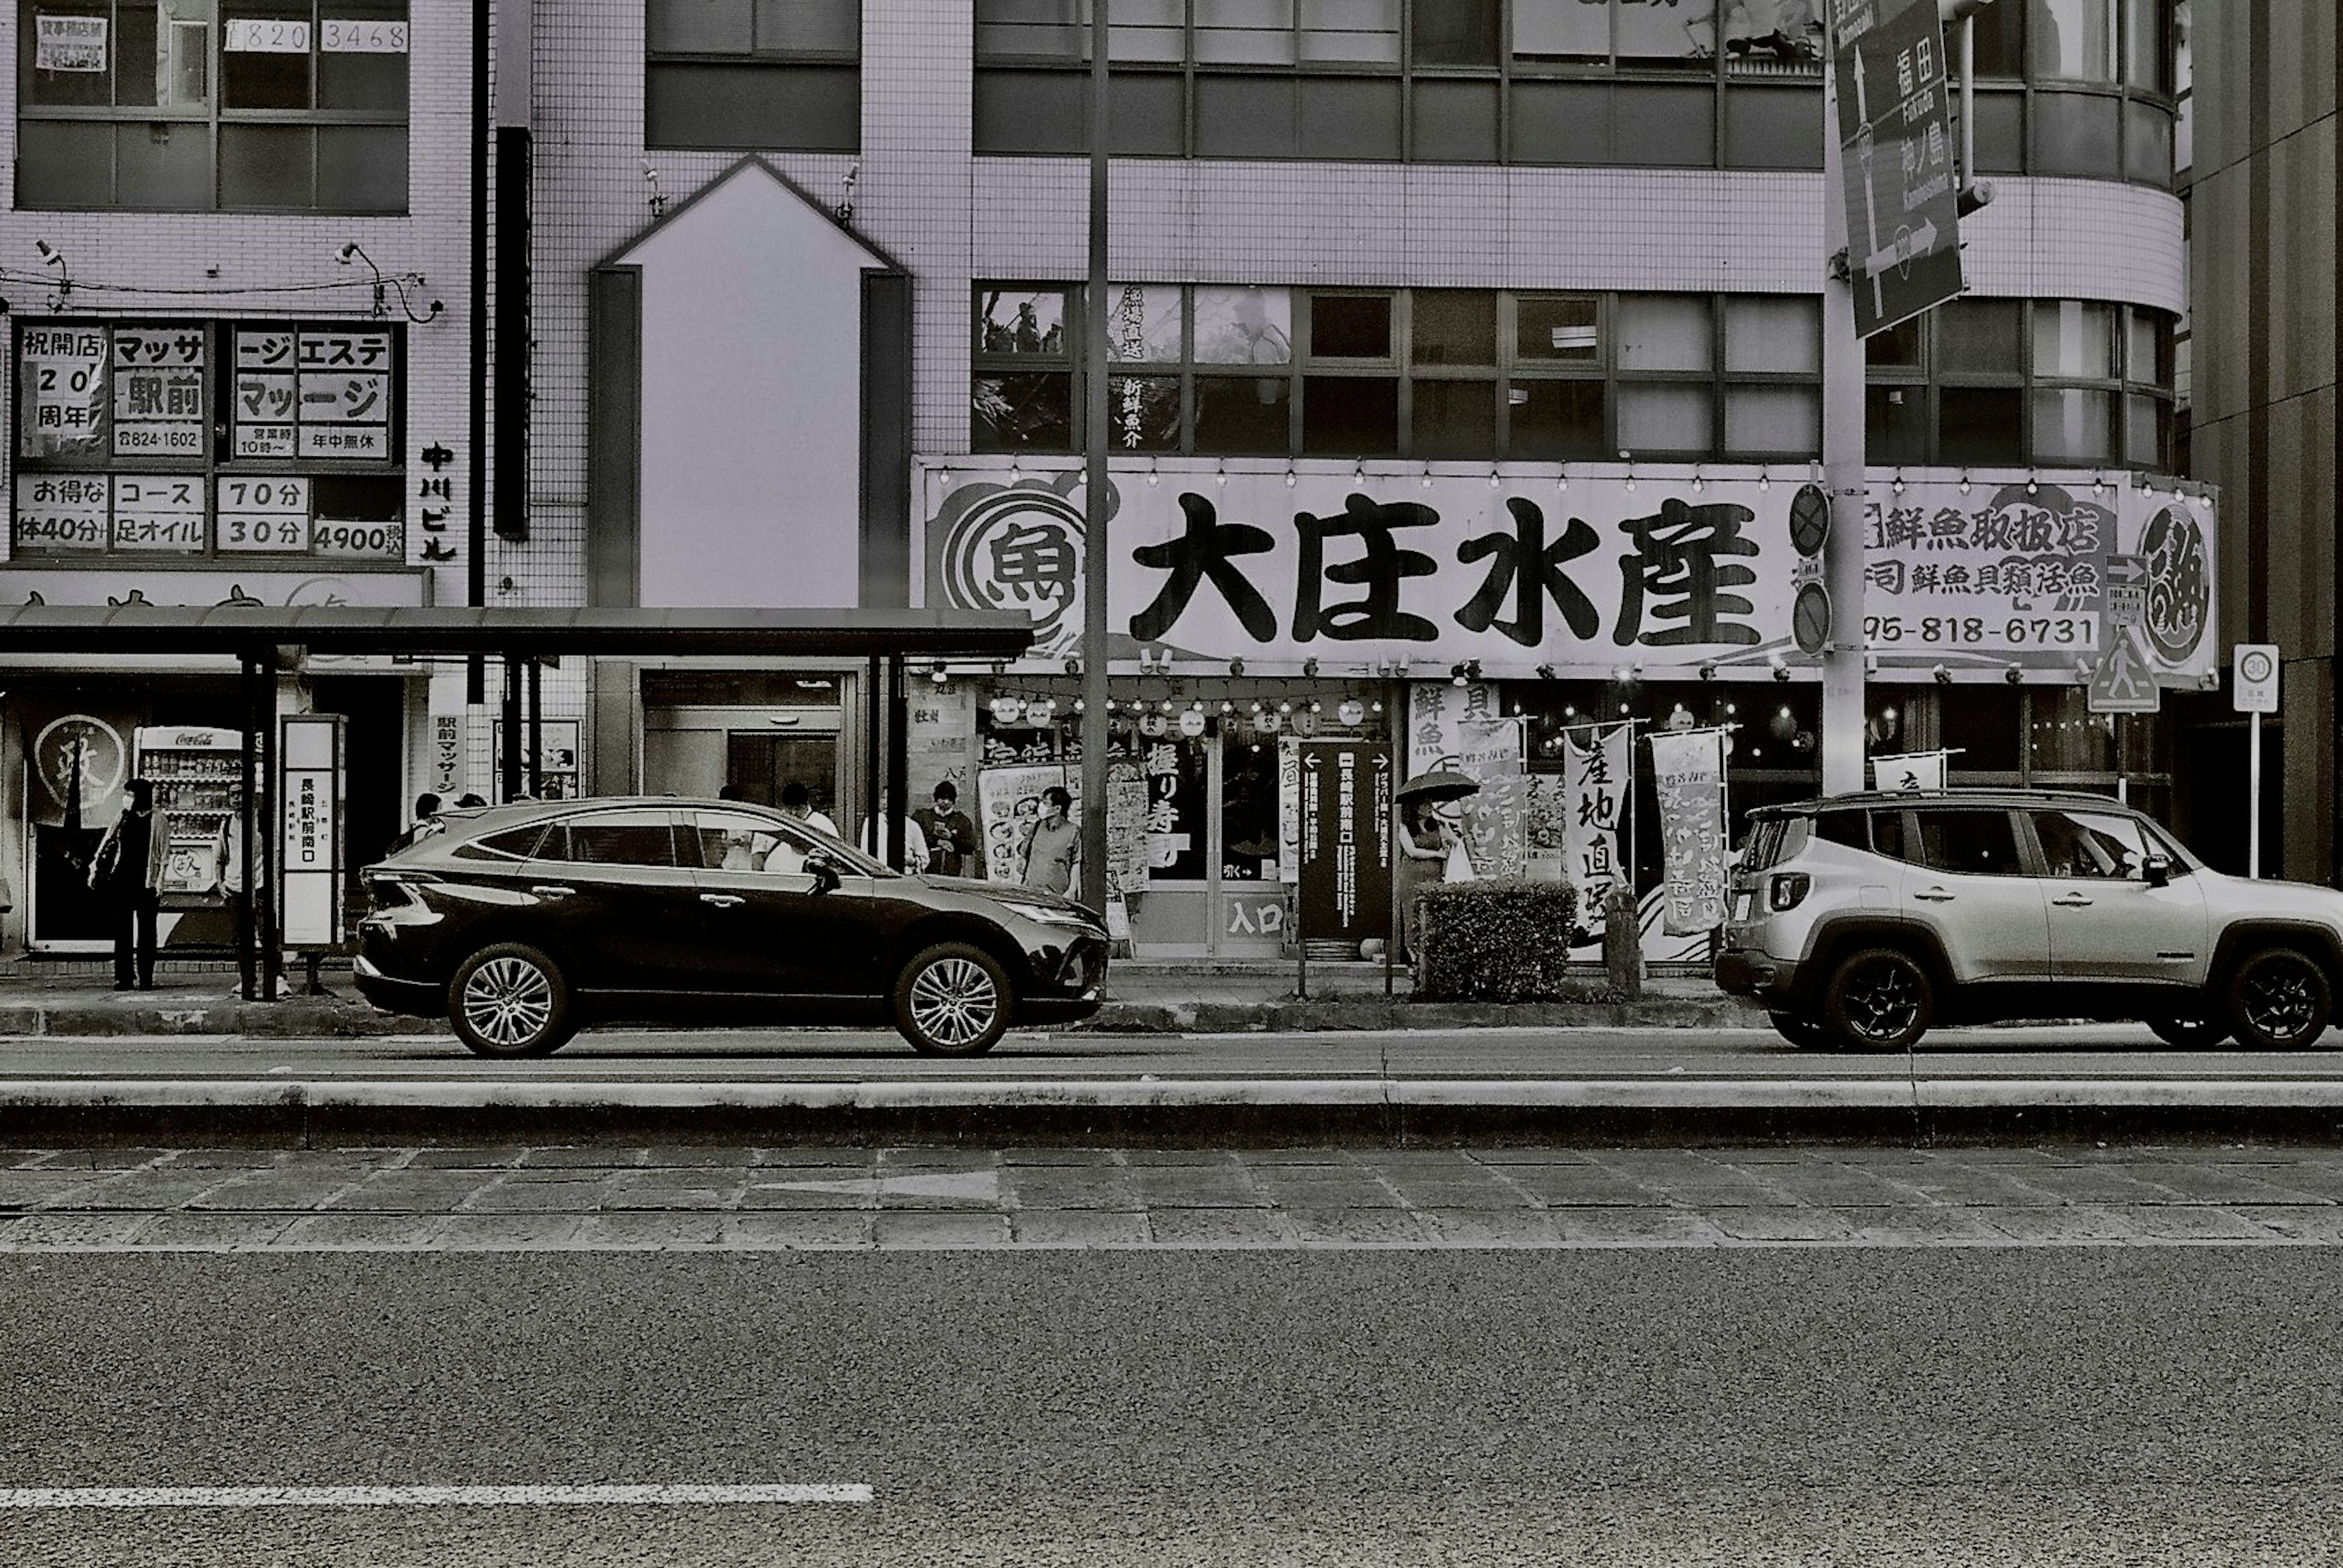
point(158, 512)
point(264, 515)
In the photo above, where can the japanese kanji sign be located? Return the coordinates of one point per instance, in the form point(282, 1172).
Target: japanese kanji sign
point(313, 393)
point(64, 387)
point(158, 390)
point(1597, 768)
point(1344, 805)
point(1688, 777)
point(1673, 571)
point(1902, 204)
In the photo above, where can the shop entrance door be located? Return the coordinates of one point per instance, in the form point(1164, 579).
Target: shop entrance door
point(759, 764)
point(696, 752)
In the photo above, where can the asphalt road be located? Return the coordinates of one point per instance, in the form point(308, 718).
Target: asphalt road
point(774, 1055)
point(2036, 1406)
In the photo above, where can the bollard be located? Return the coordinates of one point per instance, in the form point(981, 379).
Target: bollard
point(1622, 944)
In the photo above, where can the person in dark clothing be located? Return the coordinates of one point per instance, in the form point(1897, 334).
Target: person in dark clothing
point(127, 875)
point(951, 836)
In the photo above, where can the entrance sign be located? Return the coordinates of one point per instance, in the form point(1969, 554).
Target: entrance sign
point(1894, 125)
point(2253, 681)
point(1688, 776)
point(310, 796)
point(2123, 682)
point(1344, 807)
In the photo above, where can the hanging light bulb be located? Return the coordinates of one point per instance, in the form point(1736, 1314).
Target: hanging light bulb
point(1427, 476)
point(1897, 484)
point(1291, 479)
point(1493, 482)
point(1964, 481)
point(1154, 475)
point(1765, 480)
point(1562, 481)
point(1220, 472)
point(2033, 484)
point(1227, 706)
point(1697, 486)
point(1285, 708)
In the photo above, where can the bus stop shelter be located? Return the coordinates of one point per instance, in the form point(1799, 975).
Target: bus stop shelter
point(265, 638)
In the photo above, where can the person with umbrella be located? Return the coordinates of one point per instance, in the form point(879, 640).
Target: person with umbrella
point(1426, 842)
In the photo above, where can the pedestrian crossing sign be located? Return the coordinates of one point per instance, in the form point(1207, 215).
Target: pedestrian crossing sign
point(2124, 681)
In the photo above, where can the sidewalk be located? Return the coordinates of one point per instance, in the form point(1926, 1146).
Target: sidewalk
point(1142, 998)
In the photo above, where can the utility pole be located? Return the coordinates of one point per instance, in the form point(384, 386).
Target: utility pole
point(1843, 465)
point(1095, 559)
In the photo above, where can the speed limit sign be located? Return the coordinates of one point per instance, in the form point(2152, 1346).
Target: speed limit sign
point(2253, 677)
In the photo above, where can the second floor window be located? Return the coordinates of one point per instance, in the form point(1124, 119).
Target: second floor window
point(782, 74)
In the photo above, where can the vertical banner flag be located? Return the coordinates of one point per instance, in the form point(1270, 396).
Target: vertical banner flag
point(1688, 775)
point(1496, 821)
point(1913, 772)
point(1594, 796)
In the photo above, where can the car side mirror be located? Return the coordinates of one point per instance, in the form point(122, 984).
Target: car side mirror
point(825, 875)
point(2156, 869)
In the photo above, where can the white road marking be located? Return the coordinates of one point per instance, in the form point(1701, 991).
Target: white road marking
point(58, 1497)
point(983, 1186)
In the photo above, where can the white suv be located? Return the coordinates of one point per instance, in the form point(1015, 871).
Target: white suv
point(1859, 920)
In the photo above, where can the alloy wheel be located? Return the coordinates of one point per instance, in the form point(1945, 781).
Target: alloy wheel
point(1882, 1001)
point(509, 1001)
point(2281, 998)
point(953, 1002)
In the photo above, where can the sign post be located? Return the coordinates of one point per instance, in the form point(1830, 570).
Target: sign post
point(1896, 140)
point(1344, 890)
point(2253, 689)
point(309, 875)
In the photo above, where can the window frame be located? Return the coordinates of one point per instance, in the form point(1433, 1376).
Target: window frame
point(779, 62)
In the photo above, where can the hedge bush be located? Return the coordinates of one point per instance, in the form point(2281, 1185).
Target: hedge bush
point(1503, 940)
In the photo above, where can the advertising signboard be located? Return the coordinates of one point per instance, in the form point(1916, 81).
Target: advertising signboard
point(1345, 809)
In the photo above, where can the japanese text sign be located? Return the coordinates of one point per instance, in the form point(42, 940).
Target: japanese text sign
point(1345, 805)
point(1688, 776)
point(1902, 204)
point(1597, 776)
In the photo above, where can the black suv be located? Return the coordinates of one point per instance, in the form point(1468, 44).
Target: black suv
point(519, 923)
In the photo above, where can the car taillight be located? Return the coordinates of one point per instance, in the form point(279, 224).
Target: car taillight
point(1788, 890)
point(390, 889)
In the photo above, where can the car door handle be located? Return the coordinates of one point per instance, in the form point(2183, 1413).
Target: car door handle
point(552, 891)
point(1935, 896)
point(2072, 901)
point(722, 900)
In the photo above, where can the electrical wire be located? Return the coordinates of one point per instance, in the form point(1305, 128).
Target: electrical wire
point(83, 285)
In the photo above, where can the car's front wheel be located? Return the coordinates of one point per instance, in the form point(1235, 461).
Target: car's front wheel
point(953, 1000)
point(1878, 1000)
point(1803, 1032)
point(2190, 1034)
point(2279, 999)
point(510, 999)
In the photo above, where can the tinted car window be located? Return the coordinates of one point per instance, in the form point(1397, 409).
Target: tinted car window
point(1969, 843)
point(1888, 835)
point(1846, 827)
point(744, 841)
point(612, 838)
point(512, 844)
point(2092, 844)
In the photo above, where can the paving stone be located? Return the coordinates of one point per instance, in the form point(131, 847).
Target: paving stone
point(107, 1158)
point(1830, 1186)
point(428, 1192)
point(1964, 1186)
point(796, 1231)
point(534, 1198)
point(1488, 1227)
point(1512, 1157)
point(1194, 1187)
point(1688, 1179)
point(224, 1160)
point(2191, 1222)
point(2070, 1225)
point(1354, 1227)
point(23, 1159)
point(1630, 1226)
point(1752, 1224)
point(211, 1232)
point(151, 1189)
point(2091, 1184)
point(1216, 1228)
point(693, 1156)
point(1483, 1193)
point(1913, 1227)
point(505, 1232)
point(1068, 1187)
point(1329, 1193)
point(821, 1154)
point(2315, 1177)
point(705, 1188)
point(915, 1229)
point(655, 1232)
point(1297, 1156)
point(1077, 1228)
point(1137, 1158)
point(276, 1190)
point(779, 1190)
point(1579, 1186)
point(37, 1232)
point(32, 1189)
point(359, 1232)
point(2201, 1182)
point(497, 1158)
point(555, 1157)
point(892, 1162)
point(1045, 1157)
point(2322, 1224)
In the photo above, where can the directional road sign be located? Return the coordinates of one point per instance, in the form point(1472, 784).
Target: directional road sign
point(2253, 677)
point(1895, 127)
point(2126, 602)
point(2124, 681)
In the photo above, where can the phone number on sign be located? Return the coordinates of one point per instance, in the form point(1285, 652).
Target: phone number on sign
point(1981, 631)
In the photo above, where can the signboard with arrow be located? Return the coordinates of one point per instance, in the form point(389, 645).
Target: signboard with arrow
point(1894, 125)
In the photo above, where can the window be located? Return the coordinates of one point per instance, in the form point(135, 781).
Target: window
point(612, 838)
point(1023, 396)
point(778, 74)
point(743, 841)
point(182, 105)
point(1969, 843)
point(514, 844)
point(1849, 829)
point(207, 441)
point(2090, 845)
point(2074, 40)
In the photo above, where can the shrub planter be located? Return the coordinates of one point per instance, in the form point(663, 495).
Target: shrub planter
point(1505, 941)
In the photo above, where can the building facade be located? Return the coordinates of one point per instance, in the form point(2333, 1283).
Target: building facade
point(1466, 378)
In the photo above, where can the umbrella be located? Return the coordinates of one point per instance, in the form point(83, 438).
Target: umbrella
point(1440, 784)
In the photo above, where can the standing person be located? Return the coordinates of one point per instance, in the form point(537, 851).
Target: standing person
point(798, 801)
point(426, 818)
point(915, 856)
point(127, 874)
point(951, 835)
point(228, 866)
point(1425, 845)
point(1053, 844)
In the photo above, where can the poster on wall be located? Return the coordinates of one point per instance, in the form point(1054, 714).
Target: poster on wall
point(1495, 820)
point(1344, 824)
point(1126, 825)
point(1597, 772)
point(1688, 777)
point(1008, 801)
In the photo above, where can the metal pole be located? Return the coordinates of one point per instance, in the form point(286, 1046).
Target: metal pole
point(1394, 707)
point(874, 718)
point(1095, 556)
point(2254, 803)
point(536, 727)
point(1843, 460)
point(898, 764)
point(248, 808)
point(262, 890)
point(508, 753)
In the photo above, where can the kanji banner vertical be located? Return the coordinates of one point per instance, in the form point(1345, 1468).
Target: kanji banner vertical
point(1596, 776)
point(1688, 777)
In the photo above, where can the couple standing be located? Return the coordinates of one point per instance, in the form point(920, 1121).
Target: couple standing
point(1431, 851)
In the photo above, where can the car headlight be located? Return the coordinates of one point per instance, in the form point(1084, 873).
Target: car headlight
point(1047, 914)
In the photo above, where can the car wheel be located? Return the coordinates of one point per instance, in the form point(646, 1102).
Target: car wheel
point(2189, 1034)
point(510, 999)
point(953, 1000)
point(2279, 999)
point(1878, 1000)
point(1802, 1032)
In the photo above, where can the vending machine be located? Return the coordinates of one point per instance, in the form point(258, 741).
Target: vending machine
point(199, 777)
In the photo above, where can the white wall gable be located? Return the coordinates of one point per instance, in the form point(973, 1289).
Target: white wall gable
point(751, 412)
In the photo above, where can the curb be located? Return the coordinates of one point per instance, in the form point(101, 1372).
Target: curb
point(1369, 1111)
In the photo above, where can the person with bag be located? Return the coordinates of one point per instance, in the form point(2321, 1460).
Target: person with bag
point(127, 873)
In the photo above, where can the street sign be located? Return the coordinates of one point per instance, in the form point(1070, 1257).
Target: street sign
point(1810, 619)
point(2253, 677)
point(2124, 682)
point(1895, 127)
